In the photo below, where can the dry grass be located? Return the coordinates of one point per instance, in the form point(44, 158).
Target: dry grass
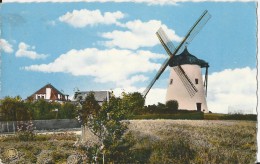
point(154, 141)
point(213, 141)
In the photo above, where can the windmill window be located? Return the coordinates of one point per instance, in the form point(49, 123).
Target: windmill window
point(171, 81)
point(196, 81)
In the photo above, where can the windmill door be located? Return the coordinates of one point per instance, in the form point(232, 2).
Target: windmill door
point(198, 106)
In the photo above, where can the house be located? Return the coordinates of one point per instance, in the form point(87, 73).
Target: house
point(49, 93)
point(100, 96)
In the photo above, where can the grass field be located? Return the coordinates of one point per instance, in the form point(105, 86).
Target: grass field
point(153, 141)
point(208, 141)
point(193, 115)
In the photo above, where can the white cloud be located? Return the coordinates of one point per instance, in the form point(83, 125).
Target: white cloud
point(123, 67)
point(231, 89)
point(139, 34)
point(84, 17)
point(5, 46)
point(28, 51)
point(149, 2)
point(155, 95)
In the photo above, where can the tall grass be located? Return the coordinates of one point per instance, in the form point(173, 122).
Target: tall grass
point(203, 141)
point(152, 141)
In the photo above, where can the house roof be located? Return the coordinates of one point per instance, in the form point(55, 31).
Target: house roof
point(100, 96)
point(54, 91)
point(186, 58)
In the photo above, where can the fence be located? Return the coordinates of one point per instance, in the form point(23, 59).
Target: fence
point(10, 126)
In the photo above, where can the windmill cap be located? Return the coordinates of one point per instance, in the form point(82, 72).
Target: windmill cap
point(186, 58)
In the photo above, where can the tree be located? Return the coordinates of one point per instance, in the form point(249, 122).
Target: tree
point(172, 105)
point(107, 124)
point(43, 110)
point(135, 102)
point(14, 109)
point(89, 109)
point(68, 110)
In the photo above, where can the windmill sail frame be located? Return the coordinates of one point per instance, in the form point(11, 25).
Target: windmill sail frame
point(168, 46)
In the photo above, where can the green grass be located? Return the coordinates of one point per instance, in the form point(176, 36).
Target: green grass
point(217, 116)
point(178, 115)
point(193, 115)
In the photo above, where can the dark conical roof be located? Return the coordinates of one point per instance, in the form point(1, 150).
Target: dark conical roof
point(186, 58)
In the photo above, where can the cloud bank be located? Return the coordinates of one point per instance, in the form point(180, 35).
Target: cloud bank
point(135, 34)
point(138, 34)
point(123, 67)
point(232, 89)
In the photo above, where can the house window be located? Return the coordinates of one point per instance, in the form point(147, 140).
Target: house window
point(171, 81)
point(196, 81)
point(42, 97)
point(38, 97)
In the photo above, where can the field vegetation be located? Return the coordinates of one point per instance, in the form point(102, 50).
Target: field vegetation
point(148, 141)
point(123, 130)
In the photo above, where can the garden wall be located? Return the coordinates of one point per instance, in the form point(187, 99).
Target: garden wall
point(10, 126)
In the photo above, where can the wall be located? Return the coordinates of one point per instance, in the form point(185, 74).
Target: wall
point(177, 90)
point(10, 126)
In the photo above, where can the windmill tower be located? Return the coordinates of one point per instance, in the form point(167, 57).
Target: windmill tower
point(185, 83)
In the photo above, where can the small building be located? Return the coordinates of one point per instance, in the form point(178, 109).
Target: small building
point(49, 93)
point(100, 96)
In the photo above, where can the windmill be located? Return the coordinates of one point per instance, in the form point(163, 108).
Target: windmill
point(185, 84)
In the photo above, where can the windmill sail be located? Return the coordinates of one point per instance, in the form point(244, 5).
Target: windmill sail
point(190, 87)
point(165, 41)
point(194, 30)
point(163, 67)
point(170, 49)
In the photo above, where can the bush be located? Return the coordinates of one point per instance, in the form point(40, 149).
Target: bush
point(25, 131)
point(172, 105)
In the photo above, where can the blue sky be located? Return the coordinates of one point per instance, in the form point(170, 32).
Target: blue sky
point(103, 46)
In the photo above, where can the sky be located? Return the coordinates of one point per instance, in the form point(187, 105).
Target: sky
point(92, 45)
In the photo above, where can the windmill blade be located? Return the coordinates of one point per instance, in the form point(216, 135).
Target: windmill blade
point(194, 30)
point(190, 87)
point(160, 71)
point(165, 41)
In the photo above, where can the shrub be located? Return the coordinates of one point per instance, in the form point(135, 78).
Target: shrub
point(172, 105)
point(25, 131)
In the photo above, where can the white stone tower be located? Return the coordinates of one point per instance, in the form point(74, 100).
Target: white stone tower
point(186, 83)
